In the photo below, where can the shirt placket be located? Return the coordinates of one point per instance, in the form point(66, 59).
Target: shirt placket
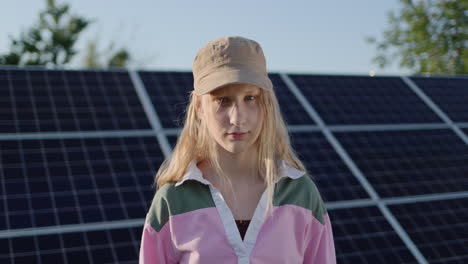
point(245, 247)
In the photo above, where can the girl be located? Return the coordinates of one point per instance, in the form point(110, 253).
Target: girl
point(234, 190)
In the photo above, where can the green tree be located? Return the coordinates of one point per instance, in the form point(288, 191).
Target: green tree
point(427, 36)
point(51, 41)
point(110, 57)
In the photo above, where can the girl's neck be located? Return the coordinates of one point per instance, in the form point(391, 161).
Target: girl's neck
point(240, 168)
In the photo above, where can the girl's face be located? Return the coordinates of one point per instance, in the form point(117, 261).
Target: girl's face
point(234, 108)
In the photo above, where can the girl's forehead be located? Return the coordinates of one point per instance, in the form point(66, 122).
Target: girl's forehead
point(233, 89)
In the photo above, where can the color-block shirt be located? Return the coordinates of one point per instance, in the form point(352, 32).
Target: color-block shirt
point(189, 222)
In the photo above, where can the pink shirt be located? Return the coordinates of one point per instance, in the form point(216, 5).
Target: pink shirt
point(189, 222)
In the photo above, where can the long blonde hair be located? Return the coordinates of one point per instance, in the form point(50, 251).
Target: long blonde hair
point(194, 143)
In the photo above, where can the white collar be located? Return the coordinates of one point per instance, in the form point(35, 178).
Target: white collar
point(194, 173)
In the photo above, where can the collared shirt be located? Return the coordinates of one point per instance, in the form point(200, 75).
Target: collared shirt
point(189, 222)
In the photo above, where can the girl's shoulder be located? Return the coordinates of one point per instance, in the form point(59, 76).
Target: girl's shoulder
point(302, 192)
point(170, 200)
point(184, 193)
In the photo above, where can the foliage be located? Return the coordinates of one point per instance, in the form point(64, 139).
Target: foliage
point(51, 41)
point(93, 58)
point(427, 36)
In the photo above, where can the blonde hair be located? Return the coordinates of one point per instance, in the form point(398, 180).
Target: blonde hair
point(194, 143)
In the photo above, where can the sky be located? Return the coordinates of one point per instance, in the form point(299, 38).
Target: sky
point(306, 36)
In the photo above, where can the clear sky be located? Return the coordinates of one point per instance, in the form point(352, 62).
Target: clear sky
point(306, 36)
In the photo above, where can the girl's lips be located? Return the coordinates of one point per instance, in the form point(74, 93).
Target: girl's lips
point(237, 135)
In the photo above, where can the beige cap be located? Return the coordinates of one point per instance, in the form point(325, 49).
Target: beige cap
point(230, 59)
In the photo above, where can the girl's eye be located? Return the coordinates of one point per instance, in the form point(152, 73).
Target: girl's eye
point(225, 100)
point(222, 100)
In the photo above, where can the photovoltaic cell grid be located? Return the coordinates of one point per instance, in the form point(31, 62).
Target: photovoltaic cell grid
point(450, 94)
point(56, 100)
point(292, 110)
point(356, 100)
point(334, 180)
point(102, 246)
point(104, 179)
point(409, 162)
point(72, 181)
point(169, 93)
point(363, 235)
point(438, 228)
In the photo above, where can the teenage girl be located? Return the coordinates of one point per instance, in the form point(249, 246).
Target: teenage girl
point(233, 190)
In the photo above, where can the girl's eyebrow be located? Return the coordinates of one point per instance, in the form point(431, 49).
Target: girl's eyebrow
point(250, 92)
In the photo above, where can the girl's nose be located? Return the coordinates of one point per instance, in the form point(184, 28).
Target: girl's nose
point(237, 114)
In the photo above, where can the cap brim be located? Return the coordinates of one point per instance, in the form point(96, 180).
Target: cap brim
point(219, 79)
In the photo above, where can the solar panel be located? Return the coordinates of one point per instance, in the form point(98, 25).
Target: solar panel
point(49, 101)
point(169, 93)
point(409, 162)
point(335, 181)
point(293, 112)
point(449, 93)
point(104, 173)
point(363, 100)
point(172, 141)
point(363, 235)
point(102, 246)
point(438, 228)
point(70, 181)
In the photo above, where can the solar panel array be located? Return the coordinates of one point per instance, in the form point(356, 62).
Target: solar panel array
point(79, 151)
